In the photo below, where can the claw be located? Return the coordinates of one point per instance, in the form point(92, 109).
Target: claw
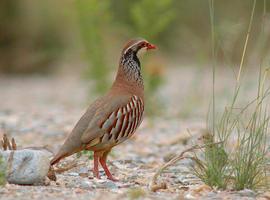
point(96, 174)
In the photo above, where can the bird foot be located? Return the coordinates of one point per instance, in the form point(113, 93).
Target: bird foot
point(96, 175)
point(112, 179)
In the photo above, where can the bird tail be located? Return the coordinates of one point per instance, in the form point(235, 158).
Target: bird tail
point(71, 145)
point(58, 157)
point(64, 153)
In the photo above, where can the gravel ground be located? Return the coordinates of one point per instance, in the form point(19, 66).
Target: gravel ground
point(40, 111)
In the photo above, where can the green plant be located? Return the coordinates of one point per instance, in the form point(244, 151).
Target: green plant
point(250, 160)
point(212, 170)
point(246, 165)
point(89, 154)
point(93, 17)
point(2, 172)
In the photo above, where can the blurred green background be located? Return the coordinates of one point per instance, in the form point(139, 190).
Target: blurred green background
point(86, 36)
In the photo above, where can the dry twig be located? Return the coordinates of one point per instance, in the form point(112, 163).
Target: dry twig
point(69, 166)
point(13, 144)
point(7, 145)
point(51, 174)
point(154, 186)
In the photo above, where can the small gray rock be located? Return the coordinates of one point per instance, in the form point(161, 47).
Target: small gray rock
point(85, 184)
point(73, 174)
point(26, 166)
point(106, 184)
point(247, 193)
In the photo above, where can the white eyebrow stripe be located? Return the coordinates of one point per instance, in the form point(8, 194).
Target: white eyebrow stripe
point(132, 46)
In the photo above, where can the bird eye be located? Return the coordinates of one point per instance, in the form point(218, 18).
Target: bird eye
point(144, 45)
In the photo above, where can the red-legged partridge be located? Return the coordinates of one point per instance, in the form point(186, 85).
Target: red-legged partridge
point(114, 117)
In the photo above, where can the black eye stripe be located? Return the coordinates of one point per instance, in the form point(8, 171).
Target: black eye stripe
point(144, 44)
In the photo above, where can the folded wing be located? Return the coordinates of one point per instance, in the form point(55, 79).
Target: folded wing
point(113, 124)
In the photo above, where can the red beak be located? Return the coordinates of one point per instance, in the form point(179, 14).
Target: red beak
point(151, 46)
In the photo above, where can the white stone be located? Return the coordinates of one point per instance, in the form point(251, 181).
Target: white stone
point(26, 166)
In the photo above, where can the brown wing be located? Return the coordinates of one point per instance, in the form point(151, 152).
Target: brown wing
point(114, 125)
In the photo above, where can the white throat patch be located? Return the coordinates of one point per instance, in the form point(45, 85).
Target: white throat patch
point(141, 52)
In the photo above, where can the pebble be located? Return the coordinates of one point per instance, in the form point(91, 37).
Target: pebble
point(73, 174)
point(106, 184)
point(247, 192)
point(85, 184)
point(83, 172)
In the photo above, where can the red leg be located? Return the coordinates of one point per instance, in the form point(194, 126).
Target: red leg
point(102, 161)
point(95, 169)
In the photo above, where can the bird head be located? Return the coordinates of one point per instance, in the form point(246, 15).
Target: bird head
point(137, 45)
point(129, 65)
